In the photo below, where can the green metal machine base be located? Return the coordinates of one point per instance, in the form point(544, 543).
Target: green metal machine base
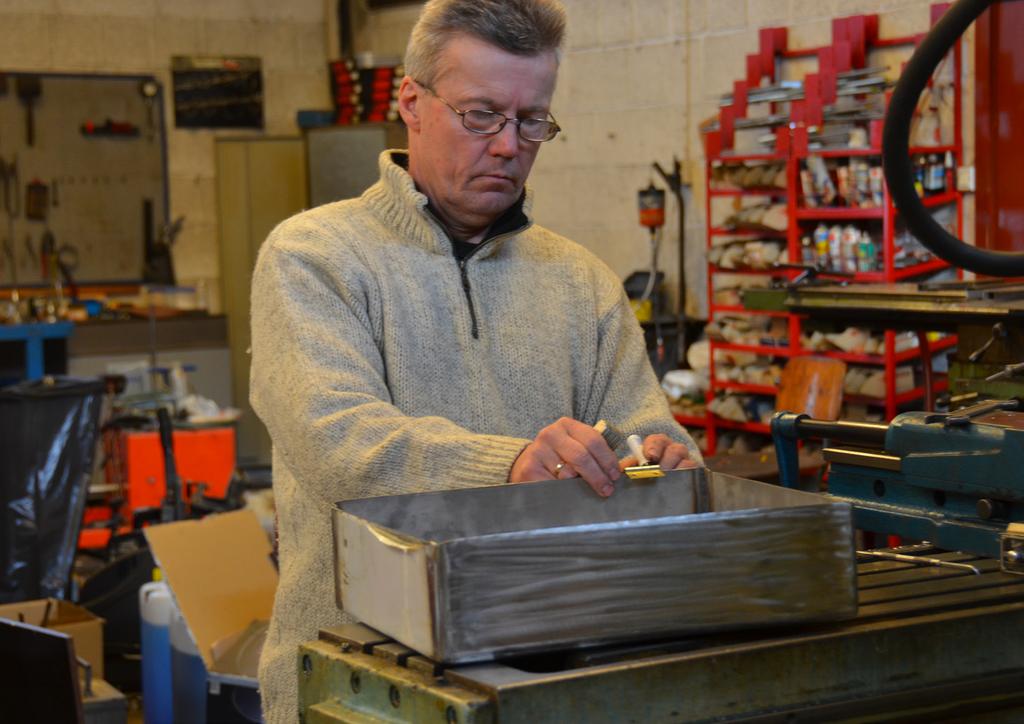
point(359, 687)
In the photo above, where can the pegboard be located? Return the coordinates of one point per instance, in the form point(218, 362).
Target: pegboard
point(97, 181)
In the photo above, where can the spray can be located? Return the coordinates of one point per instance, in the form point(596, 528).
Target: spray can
point(877, 180)
point(851, 235)
point(865, 252)
point(821, 245)
point(936, 174)
point(835, 247)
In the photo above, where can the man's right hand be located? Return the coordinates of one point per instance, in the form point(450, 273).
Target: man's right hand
point(565, 449)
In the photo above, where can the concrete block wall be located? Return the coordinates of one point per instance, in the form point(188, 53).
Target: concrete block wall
point(140, 36)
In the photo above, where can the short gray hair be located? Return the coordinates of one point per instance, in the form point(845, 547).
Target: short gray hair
point(520, 27)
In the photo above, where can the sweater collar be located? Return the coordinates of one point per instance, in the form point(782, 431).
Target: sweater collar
point(397, 200)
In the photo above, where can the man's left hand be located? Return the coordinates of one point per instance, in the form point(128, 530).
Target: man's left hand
point(661, 449)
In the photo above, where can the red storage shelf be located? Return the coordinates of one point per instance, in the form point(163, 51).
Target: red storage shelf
point(842, 213)
point(792, 149)
point(762, 349)
point(745, 387)
point(691, 421)
point(736, 309)
point(758, 233)
point(746, 270)
point(749, 192)
point(905, 356)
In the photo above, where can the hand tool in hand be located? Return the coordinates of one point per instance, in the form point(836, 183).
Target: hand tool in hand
point(615, 438)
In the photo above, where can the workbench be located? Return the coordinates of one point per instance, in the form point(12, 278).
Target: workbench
point(928, 644)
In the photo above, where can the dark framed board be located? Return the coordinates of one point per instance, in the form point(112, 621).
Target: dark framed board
point(217, 92)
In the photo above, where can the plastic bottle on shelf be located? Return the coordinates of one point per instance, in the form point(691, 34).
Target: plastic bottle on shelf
point(835, 247)
point(843, 186)
point(920, 172)
point(850, 239)
point(866, 252)
point(821, 245)
point(936, 175)
point(808, 256)
point(949, 185)
point(877, 180)
point(861, 185)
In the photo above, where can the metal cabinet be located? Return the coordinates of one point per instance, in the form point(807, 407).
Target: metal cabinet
point(260, 182)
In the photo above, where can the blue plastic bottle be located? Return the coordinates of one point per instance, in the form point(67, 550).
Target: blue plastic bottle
point(155, 606)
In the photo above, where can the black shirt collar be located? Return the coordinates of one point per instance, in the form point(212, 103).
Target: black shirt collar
point(513, 218)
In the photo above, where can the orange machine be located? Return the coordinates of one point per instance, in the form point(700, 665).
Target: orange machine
point(204, 455)
point(135, 469)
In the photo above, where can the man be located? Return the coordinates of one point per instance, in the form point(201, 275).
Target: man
point(427, 335)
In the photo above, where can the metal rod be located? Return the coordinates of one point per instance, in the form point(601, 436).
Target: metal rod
point(919, 561)
point(868, 433)
point(676, 186)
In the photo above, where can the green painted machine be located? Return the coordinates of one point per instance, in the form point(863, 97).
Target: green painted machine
point(952, 479)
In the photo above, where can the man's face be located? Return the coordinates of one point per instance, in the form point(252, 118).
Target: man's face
point(472, 179)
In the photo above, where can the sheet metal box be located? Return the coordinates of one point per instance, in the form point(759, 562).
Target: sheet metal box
point(470, 575)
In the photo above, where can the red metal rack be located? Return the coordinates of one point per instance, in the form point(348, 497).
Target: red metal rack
point(853, 40)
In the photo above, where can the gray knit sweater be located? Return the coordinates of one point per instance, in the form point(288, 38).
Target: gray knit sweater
point(368, 377)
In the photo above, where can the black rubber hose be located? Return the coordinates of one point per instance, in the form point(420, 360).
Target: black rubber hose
point(896, 149)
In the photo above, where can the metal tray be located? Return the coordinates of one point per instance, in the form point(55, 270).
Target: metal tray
point(470, 575)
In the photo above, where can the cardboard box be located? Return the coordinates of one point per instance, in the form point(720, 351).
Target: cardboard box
point(85, 628)
point(220, 575)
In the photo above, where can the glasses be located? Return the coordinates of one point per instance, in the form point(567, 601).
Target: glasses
point(489, 123)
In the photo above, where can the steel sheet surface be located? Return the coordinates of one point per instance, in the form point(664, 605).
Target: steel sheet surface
point(468, 575)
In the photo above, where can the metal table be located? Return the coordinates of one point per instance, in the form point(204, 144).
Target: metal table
point(929, 644)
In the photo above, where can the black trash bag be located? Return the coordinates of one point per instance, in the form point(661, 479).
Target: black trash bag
point(48, 432)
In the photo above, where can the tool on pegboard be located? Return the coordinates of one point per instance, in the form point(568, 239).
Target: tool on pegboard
point(9, 186)
point(31, 250)
point(109, 127)
point(37, 200)
point(29, 88)
point(57, 262)
point(149, 89)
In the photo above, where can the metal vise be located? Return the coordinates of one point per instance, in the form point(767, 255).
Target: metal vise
point(953, 479)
